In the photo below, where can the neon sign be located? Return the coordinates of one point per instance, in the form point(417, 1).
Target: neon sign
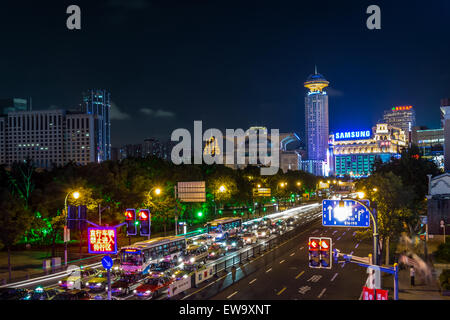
point(365, 134)
point(102, 240)
point(401, 108)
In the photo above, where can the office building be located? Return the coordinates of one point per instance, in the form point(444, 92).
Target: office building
point(48, 138)
point(98, 102)
point(430, 143)
point(403, 117)
point(445, 124)
point(355, 152)
point(316, 123)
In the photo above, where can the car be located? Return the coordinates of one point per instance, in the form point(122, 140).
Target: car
point(152, 287)
point(161, 267)
point(233, 243)
point(204, 239)
point(13, 293)
point(291, 221)
point(195, 254)
point(76, 278)
point(99, 282)
point(263, 232)
point(249, 237)
point(215, 250)
point(278, 227)
point(125, 285)
point(73, 295)
point(41, 293)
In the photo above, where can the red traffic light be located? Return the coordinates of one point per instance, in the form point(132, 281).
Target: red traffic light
point(314, 244)
point(144, 214)
point(129, 215)
point(324, 245)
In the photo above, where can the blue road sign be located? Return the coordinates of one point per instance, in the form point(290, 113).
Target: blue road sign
point(107, 262)
point(352, 214)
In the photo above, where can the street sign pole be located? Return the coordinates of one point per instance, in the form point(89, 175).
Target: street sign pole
point(109, 283)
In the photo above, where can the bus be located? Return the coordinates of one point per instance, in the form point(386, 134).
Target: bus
point(139, 257)
point(221, 229)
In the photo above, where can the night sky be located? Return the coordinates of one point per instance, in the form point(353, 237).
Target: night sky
point(232, 64)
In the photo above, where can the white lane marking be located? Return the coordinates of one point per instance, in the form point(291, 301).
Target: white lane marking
point(232, 295)
point(357, 245)
point(301, 248)
point(282, 261)
point(351, 253)
point(270, 269)
point(344, 233)
point(338, 238)
point(292, 254)
point(354, 233)
point(252, 281)
point(343, 265)
point(334, 277)
point(304, 289)
point(314, 278)
point(321, 293)
point(334, 231)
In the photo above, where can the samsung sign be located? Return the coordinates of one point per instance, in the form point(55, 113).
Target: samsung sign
point(352, 135)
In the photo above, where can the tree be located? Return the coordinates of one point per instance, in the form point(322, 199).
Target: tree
point(14, 221)
point(392, 198)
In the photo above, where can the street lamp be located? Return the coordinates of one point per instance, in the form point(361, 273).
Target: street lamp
point(375, 189)
point(158, 192)
point(75, 195)
point(360, 194)
point(222, 188)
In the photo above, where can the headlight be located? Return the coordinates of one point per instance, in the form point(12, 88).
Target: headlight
point(234, 244)
point(263, 234)
point(87, 283)
point(60, 282)
point(213, 253)
point(179, 259)
point(185, 276)
point(134, 291)
point(71, 282)
point(148, 292)
point(192, 260)
point(98, 284)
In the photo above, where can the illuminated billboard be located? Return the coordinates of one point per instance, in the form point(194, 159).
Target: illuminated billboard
point(352, 135)
point(102, 240)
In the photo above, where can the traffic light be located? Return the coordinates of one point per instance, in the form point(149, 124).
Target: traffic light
point(144, 219)
point(130, 219)
point(326, 259)
point(72, 216)
point(314, 252)
point(82, 216)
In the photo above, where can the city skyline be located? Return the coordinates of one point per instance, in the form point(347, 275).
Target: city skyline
point(253, 67)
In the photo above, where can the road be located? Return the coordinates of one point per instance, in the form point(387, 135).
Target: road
point(283, 272)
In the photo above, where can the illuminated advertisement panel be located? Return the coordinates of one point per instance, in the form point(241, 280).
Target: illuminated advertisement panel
point(353, 135)
point(102, 240)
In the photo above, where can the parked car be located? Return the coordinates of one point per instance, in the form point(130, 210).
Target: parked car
point(13, 293)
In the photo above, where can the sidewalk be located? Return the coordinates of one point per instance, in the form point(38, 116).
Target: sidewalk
point(421, 290)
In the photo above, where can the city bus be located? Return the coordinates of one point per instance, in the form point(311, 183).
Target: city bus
point(221, 229)
point(139, 257)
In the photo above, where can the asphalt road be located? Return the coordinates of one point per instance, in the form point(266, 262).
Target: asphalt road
point(283, 272)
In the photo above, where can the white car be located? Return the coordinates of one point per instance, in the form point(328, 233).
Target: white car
point(249, 237)
point(263, 232)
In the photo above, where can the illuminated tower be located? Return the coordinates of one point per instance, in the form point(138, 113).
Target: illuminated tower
point(316, 119)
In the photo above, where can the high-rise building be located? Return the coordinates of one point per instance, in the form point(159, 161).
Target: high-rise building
point(430, 143)
point(355, 152)
point(403, 117)
point(316, 123)
point(445, 123)
point(14, 104)
point(47, 138)
point(98, 102)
